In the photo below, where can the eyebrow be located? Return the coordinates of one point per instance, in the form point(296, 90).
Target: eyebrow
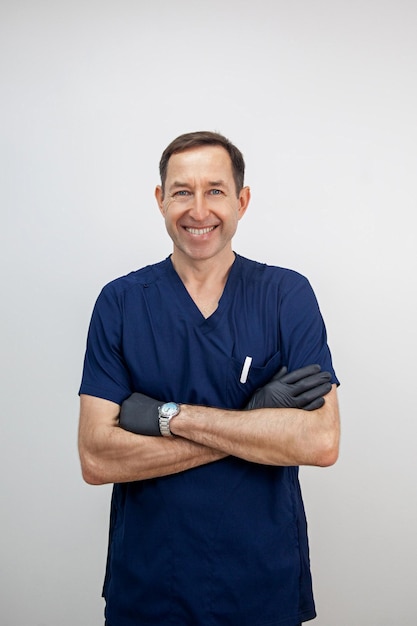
point(178, 183)
point(217, 183)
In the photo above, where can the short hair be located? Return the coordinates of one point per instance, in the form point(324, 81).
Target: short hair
point(204, 138)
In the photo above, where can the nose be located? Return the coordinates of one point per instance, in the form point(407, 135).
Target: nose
point(199, 208)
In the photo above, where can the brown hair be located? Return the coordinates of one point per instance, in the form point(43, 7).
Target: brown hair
point(204, 138)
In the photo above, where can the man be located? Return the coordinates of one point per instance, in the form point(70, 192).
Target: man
point(207, 522)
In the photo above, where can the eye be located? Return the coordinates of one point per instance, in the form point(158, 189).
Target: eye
point(216, 192)
point(182, 193)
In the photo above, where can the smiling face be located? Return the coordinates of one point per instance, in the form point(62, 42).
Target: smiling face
point(200, 204)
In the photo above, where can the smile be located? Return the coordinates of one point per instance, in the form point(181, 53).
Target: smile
point(200, 231)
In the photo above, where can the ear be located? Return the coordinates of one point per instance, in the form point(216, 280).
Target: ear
point(159, 195)
point(244, 199)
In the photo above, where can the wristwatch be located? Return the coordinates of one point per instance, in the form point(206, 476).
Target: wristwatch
point(166, 412)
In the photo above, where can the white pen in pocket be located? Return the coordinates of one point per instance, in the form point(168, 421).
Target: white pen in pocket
point(245, 370)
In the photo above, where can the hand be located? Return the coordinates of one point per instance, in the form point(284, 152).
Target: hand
point(301, 389)
point(139, 414)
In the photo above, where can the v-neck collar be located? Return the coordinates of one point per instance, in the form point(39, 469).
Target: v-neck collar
point(188, 307)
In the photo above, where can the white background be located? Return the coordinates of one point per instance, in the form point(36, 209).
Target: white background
point(321, 97)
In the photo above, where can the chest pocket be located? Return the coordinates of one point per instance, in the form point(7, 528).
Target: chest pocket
point(244, 378)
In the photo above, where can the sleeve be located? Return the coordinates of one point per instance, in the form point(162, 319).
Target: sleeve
point(303, 332)
point(105, 374)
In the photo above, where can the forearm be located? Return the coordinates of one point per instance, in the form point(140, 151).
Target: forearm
point(270, 436)
point(110, 454)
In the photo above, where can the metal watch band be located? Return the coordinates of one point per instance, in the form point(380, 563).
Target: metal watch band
point(164, 427)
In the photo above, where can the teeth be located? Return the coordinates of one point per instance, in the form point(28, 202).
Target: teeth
point(200, 231)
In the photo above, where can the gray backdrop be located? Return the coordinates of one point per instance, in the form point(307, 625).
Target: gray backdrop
point(321, 97)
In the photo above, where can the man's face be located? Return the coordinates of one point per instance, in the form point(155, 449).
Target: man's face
point(200, 205)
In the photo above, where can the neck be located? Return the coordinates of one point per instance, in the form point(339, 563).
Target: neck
point(204, 281)
point(198, 273)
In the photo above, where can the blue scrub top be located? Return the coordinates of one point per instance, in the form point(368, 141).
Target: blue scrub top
point(225, 543)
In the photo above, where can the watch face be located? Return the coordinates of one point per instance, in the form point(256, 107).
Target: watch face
point(169, 409)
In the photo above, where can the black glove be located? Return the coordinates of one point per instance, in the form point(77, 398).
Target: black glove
point(301, 389)
point(139, 414)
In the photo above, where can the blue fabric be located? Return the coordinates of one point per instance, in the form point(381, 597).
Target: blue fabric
point(225, 543)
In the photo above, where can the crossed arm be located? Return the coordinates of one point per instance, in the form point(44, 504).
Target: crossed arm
point(273, 436)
